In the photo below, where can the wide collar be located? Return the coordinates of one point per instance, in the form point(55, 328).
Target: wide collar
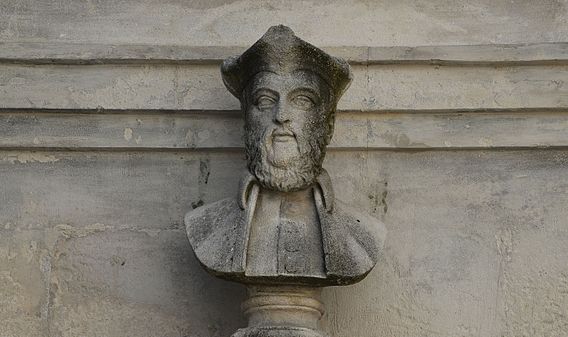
point(249, 187)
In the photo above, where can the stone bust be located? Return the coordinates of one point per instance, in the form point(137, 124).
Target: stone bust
point(285, 226)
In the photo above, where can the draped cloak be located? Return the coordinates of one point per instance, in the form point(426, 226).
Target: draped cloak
point(351, 240)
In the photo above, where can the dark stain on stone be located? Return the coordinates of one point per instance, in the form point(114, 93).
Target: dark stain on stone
point(197, 203)
point(204, 171)
point(117, 260)
point(200, 4)
point(378, 197)
point(202, 180)
point(384, 198)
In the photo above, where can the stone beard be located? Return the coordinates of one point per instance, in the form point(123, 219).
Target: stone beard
point(287, 166)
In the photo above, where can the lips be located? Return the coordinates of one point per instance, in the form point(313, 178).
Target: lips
point(280, 135)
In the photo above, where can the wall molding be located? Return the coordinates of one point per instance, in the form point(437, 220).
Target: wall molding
point(355, 131)
point(38, 53)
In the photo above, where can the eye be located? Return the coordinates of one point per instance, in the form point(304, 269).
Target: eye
point(303, 102)
point(265, 102)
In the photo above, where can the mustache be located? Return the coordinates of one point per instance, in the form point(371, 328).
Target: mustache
point(282, 131)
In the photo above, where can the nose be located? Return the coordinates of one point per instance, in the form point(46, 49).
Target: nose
point(281, 114)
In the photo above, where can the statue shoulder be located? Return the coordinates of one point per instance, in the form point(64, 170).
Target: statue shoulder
point(361, 221)
point(201, 221)
point(215, 232)
point(354, 241)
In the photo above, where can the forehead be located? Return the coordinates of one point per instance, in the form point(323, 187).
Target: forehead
point(288, 81)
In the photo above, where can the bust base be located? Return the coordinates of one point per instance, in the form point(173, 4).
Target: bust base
point(282, 311)
point(277, 331)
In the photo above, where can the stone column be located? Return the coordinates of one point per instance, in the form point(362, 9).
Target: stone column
point(282, 311)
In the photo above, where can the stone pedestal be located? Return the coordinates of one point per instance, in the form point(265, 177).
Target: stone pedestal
point(282, 311)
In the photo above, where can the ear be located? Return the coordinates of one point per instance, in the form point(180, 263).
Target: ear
point(330, 127)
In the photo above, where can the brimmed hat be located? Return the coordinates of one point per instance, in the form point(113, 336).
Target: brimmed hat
point(280, 51)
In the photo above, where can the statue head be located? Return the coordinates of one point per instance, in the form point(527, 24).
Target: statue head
point(288, 91)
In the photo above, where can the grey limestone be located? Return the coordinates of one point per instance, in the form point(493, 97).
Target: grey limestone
point(471, 213)
point(115, 121)
point(199, 87)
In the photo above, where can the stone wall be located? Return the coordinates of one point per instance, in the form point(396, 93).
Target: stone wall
point(114, 122)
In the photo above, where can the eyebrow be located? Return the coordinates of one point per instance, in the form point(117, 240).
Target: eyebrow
point(271, 91)
point(312, 91)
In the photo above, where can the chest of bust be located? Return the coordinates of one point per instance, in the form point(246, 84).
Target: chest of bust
point(285, 236)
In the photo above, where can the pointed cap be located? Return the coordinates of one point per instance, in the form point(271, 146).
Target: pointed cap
point(280, 51)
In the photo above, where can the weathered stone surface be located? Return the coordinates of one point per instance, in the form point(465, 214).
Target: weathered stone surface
point(25, 269)
point(462, 253)
point(143, 130)
point(479, 252)
point(325, 23)
point(102, 280)
point(97, 189)
point(489, 55)
point(277, 331)
point(198, 87)
point(351, 242)
point(477, 217)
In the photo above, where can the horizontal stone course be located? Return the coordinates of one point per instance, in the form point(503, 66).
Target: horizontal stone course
point(94, 53)
point(96, 237)
point(223, 130)
point(199, 87)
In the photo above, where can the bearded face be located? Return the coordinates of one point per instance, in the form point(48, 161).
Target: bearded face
point(288, 123)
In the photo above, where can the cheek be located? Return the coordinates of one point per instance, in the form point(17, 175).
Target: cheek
point(311, 121)
point(255, 117)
